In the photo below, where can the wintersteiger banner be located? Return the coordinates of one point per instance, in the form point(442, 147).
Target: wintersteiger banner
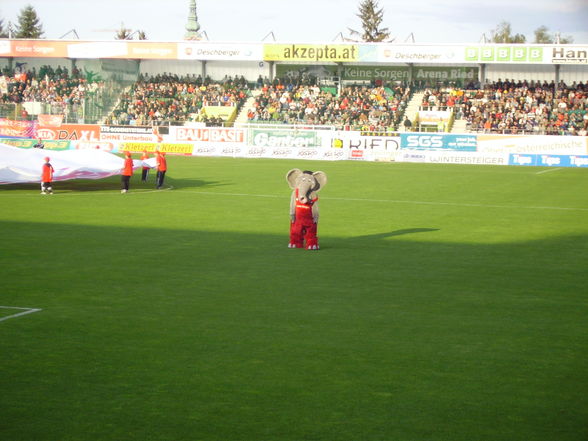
point(311, 52)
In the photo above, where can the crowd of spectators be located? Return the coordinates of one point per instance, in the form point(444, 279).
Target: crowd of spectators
point(528, 107)
point(57, 87)
point(153, 100)
point(516, 107)
point(366, 108)
point(508, 107)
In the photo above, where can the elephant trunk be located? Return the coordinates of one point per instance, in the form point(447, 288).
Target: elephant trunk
point(304, 191)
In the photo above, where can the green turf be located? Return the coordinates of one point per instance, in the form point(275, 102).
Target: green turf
point(446, 303)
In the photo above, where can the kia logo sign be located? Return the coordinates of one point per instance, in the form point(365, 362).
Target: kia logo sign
point(46, 134)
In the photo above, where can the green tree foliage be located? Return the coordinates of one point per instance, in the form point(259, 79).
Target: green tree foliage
point(28, 24)
point(543, 36)
point(123, 33)
point(503, 34)
point(127, 34)
point(371, 19)
point(3, 32)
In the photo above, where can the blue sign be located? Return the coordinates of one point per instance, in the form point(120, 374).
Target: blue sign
point(522, 159)
point(548, 160)
point(436, 141)
point(553, 160)
point(578, 160)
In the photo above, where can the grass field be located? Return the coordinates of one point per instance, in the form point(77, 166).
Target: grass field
point(446, 303)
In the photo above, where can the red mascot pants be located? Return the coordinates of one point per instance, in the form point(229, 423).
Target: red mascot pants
point(303, 228)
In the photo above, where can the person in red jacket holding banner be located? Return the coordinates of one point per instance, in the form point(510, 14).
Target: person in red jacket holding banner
point(161, 169)
point(127, 172)
point(47, 177)
point(144, 170)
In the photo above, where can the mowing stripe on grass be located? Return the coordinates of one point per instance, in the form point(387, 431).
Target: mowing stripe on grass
point(393, 201)
point(89, 191)
point(25, 311)
point(548, 170)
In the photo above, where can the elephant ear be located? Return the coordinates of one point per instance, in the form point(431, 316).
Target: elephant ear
point(292, 176)
point(321, 179)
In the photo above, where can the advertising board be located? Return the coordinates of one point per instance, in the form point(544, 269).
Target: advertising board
point(283, 138)
point(461, 143)
point(537, 144)
point(452, 157)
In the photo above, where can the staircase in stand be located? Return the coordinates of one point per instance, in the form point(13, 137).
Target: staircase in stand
point(412, 108)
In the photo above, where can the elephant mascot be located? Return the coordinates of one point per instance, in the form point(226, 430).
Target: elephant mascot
point(304, 210)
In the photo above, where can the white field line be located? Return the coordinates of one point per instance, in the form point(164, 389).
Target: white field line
point(393, 201)
point(25, 311)
point(390, 201)
point(549, 170)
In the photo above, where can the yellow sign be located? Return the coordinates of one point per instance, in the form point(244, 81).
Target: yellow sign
point(227, 113)
point(310, 52)
point(185, 149)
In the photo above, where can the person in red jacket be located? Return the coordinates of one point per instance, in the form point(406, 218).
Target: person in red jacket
point(127, 172)
point(47, 177)
point(161, 169)
point(144, 170)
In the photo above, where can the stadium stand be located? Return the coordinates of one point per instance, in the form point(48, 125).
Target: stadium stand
point(527, 107)
point(358, 107)
point(500, 107)
point(166, 98)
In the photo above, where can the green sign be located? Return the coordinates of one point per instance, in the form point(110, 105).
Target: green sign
point(384, 73)
point(504, 54)
point(283, 138)
point(48, 144)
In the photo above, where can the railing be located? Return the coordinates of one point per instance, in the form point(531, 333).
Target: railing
point(282, 126)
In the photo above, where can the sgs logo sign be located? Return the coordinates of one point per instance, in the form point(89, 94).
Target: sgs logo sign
point(424, 141)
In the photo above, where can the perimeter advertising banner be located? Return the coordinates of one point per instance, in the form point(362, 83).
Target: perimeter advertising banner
point(220, 51)
point(308, 53)
point(311, 52)
point(70, 132)
point(29, 143)
point(527, 54)
point(414, 53)
point(208, 134)
point(18, 129)
point(452, 157)
point(564, 145)
point(348, 140)
point(127, 133)
point(283, 138)
point(167, 147)
point(548, 160)
point(384, 73)
point(422, 141)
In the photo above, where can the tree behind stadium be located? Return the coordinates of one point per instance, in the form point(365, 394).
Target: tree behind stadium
point(28, 24)
point(371, 19)
point(3, 32)
point(503, 34)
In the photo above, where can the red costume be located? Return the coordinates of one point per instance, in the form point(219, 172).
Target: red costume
point(47, 177)
point(127, 172)
point(145, 170)
point(304, 228)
